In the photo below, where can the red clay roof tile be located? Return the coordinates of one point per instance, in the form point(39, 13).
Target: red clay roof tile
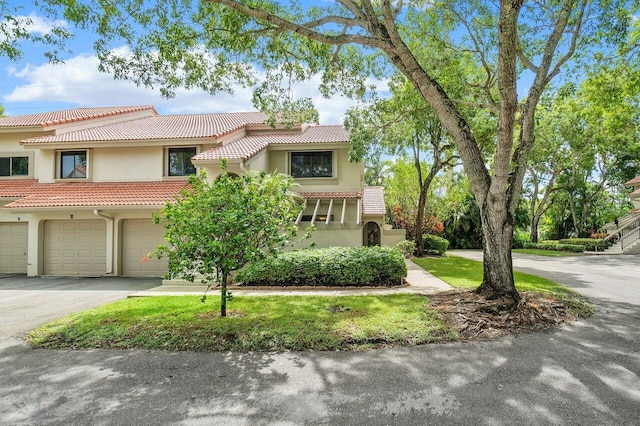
point(373, 200)
point(98, 194)
point(158, 128)
point(633, 181)
point(329, 195)
point(68, 116)
point(16, 188)
point(248, 146)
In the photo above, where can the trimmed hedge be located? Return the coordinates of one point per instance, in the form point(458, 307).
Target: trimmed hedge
point(590, 244)
point(334, 267)
point(433, 243)
point(552, 245)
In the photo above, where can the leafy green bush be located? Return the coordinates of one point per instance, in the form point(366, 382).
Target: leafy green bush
point(435, 244)
point(336, 266)
point(552, 245)
point(589, 244)
point(406, 247)
point(519, 240)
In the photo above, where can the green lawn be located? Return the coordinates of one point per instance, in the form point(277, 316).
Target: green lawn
point(259, 323)
point(279, 323)
point(466, 273)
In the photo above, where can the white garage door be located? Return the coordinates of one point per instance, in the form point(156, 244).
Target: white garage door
point(75, 247)
point(13, 248)
point(139, 238)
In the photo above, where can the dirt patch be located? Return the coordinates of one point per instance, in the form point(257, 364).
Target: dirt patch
point(477, 318)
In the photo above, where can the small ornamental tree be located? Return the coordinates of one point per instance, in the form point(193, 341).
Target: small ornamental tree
point(213, 229)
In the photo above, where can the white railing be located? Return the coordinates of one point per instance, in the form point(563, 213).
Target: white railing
point(629, 237)
point(630, 221)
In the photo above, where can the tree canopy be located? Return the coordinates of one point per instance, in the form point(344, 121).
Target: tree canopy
point(215, 228)
point(499, 47)
point(17, 29)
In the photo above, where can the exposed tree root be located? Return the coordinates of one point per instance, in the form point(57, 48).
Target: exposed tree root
point(476, 317)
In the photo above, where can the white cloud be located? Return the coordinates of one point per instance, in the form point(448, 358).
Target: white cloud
point(38, 25)
point(78, 82)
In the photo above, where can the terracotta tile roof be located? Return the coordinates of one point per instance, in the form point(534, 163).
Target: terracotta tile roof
point(68, 116)
point(242, 149)
point(98, 194)
point(635, 193)
point(159, 128)
point(16, 188)
point(373, 200)
point(633, 181)
point(329, 195)
point(248, 146)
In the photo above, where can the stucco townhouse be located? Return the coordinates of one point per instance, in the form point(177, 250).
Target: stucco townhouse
point(78, 187)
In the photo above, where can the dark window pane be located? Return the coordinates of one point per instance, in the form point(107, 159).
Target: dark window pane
point(311, 164)
point(20, 166)
point(5, 166)
point(180, 161)
point(73, 164)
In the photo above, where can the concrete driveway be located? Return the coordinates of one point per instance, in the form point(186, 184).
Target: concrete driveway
point(26, 302)
point(587, 373)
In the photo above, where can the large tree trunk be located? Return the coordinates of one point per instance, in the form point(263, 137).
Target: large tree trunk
point(497, 228)
point(223, 295)
point(535, 222)
point(422, 201)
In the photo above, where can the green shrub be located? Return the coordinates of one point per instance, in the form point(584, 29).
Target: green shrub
point(435, 244)
point(406, 247)
point(589, 244)
point(336, 266)
point(552, 245)
point(519, 240)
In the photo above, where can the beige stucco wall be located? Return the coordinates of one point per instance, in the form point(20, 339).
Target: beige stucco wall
point(332, 237)
point(259, 162)
point(127, 164)
point(348, 176)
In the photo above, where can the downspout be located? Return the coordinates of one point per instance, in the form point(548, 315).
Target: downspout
point(109, 265)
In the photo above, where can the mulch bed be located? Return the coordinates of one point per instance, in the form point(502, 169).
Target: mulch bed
point(477, 318)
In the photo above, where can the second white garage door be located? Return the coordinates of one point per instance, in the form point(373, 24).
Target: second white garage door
point(13, 248)
point(75, 247)
point(140, 237)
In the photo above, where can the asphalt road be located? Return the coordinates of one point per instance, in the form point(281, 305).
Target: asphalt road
point(586, 373)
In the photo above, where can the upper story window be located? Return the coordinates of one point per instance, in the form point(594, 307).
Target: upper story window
point(73, 165)
point(14, 166)
point(179, 163)
point(312, 164)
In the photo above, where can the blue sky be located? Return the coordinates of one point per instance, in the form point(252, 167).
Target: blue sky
point(33, 85)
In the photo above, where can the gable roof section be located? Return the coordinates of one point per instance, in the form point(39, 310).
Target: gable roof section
point(373, 200)
point(69, 116)
point(634, 181)
point(248, 146)
point(98, 194)
point(158, 127)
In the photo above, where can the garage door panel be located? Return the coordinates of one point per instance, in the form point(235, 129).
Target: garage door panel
point(13, 248)
point(140, 237)
point(75, 247)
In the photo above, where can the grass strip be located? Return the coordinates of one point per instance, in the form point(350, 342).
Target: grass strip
point(548, 253)
point(467, 273)
point(259, 323)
